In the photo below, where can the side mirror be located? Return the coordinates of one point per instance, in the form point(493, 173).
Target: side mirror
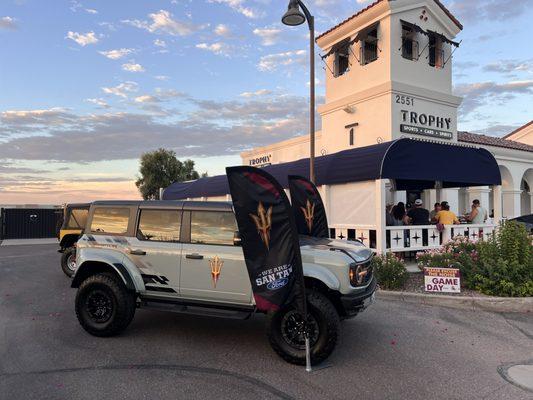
point(237, 238)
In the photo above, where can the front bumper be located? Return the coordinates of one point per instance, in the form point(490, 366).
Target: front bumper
point(354, 303)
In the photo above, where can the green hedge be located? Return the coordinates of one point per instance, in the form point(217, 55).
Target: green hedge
point(390, 271)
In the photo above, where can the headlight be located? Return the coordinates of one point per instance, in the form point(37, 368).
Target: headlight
point(359, 274)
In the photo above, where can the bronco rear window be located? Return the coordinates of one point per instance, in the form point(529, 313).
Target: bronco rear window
point(110, 220)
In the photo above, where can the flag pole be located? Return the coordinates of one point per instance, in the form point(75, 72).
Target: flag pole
point(307, 352)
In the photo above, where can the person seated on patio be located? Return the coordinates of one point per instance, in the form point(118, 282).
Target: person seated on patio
point(433, 213)
point(478, 215)
point(445, 216)
point(398, 214)
point(418, 215)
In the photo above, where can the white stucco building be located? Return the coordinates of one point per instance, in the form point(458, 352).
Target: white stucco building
point(389, 75)
point(389, 123)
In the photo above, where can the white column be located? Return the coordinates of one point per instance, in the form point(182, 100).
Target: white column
point(497, 202)
point(531, 202)
point(481, 193)
point(511, 203)
point(324, 193)
point(452, 197)
point(400, 195)
point(431, 198)
point(381, 223)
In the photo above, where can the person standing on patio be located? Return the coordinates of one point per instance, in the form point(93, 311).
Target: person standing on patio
point(398, 214)
point(478, 215)
point(418, 215)
point(445, 216)
point(433, 213)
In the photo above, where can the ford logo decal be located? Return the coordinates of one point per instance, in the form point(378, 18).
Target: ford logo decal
point(277, 284)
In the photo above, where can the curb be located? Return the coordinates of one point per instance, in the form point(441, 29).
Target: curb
point(492, 304)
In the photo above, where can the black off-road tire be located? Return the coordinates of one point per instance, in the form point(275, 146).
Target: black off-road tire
point(66, 260)
point(122, 303)
point(327, 318)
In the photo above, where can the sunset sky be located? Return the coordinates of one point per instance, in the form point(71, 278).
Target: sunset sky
point(87, 86)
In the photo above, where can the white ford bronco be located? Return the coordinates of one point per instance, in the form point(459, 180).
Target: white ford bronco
point(185, 256)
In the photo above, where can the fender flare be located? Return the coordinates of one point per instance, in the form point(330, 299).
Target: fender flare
point(120, 265)
point(323, 275)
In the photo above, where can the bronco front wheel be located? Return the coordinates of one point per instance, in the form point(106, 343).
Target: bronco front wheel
point(104, 306)
point(287, 337)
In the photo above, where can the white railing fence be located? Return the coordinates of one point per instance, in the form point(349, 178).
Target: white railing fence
point(411, 237)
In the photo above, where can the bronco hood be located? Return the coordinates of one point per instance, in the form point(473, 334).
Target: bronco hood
point(354, 249)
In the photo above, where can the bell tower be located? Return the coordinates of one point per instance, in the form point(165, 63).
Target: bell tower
point(389, 75)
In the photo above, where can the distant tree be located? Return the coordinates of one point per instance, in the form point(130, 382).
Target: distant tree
point(160, 168)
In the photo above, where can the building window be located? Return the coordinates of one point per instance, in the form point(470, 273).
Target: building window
point(351, 137)
point(369, 46)
point(436, 51)
point(342, 58)
point(409, 44)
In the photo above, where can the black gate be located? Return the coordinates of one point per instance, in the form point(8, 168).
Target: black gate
point(28, 223)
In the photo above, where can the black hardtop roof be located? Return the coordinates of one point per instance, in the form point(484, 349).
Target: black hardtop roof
point(78, 205)
point(190, 205)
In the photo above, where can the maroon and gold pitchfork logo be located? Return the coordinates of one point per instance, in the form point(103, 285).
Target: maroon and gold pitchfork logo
point(309, 214)
point(263, 223)
point(216, 266)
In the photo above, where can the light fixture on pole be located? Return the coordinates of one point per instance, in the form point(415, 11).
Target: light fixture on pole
point(294, 17)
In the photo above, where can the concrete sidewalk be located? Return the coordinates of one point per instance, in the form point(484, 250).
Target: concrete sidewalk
point(19, 242)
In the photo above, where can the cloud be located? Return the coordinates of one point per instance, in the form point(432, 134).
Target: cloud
point(222, 30)
point(510, 66)
point(8, 23)
point(99, 102)
point(272, 62)
point(260, 92)
point(269, 36)
point(146, 99)
point(160, 43)
point(238, 6)
point(479, 94)
point(162, 22)
point(162, 77)
point(473, 11)
point(49, 117)
point(83, 39)
point(116, 54)
point(211, 129)
point(122, 89)
point(91, 11)
point(218, 48)
point(497, 130)
point(133, 67)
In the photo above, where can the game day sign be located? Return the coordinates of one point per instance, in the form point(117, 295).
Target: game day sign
point(442, 280)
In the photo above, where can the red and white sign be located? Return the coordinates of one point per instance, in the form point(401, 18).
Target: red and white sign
point(442, 280)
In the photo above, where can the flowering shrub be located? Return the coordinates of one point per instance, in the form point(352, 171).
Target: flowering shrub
point(500, 266)
point(390, 271)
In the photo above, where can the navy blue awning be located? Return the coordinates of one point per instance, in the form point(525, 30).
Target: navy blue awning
point(412, 164)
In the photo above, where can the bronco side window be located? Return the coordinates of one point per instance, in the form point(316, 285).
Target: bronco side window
point(159, 225)
point(77, 218)
point(110, 220)
point(213, 227)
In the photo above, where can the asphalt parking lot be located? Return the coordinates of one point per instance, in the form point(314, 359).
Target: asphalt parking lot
point(391, 351)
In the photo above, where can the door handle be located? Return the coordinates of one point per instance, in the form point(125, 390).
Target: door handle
point(137, 252)
point(194, 256)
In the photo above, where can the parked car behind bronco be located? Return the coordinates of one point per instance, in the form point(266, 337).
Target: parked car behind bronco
point(185, 256)
point(74, 219)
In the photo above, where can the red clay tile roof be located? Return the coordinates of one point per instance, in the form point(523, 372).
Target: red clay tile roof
point(467, 137)
point(518, 129)
point(448, 13)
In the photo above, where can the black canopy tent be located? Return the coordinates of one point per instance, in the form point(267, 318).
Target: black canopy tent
point(410, 163)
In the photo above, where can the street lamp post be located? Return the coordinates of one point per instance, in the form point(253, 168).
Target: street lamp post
point(294, 17)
